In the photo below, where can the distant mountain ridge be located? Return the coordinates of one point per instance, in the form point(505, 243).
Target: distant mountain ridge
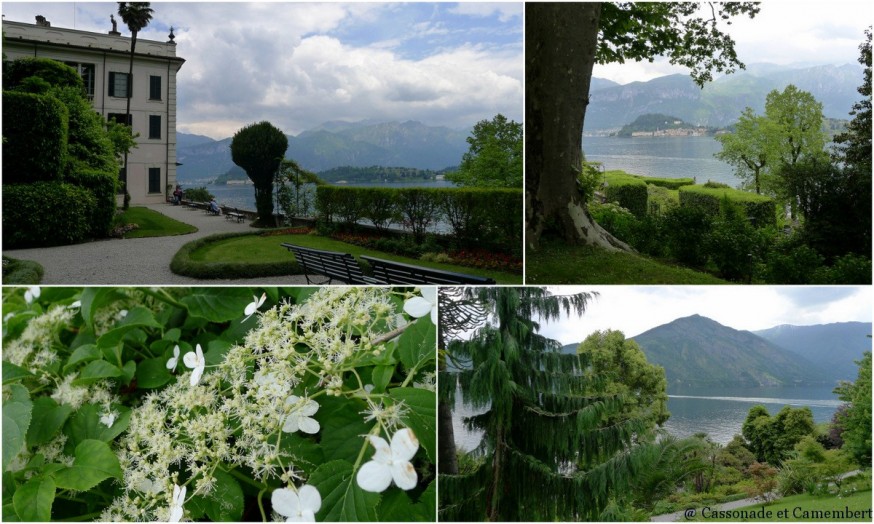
point(335, 144)
point(720, 103)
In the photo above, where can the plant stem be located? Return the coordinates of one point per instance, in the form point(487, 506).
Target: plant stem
point(247, 480)
point(261, 505)
point(80, 518)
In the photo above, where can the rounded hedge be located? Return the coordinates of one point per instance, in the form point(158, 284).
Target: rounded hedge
point(46, 214)
point(628, 191)
point(758, 207)
point(33, 123)
point(102, 186)
point(183, 264)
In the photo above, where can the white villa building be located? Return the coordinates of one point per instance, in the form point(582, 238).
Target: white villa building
point(103, 60)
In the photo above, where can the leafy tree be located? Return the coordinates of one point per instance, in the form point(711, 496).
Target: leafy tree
point(259, 149)
point(764, 481)
point(563, 42)
point(291, 196)
point(643, 384)
point(856, 421)
point(750, 148)
point(549, 453)
point(495, 155)
point(772, 439)
point(136, 15)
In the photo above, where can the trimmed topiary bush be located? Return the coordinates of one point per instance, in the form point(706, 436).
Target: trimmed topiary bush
point(669, 183)
point(51, 71)
point(46, 214)
point(184, 264)
point(757, 207)
point(103, 186)
point(35, 137)
point(628, 191)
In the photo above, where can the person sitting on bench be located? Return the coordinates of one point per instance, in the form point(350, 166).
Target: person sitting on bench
point(214, 207)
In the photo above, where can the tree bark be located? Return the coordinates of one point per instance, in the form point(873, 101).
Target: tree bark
point(560, 44)
point(447, 459)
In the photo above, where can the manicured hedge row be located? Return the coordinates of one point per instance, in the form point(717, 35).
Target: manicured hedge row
point(46, 214)
point(758, 207)
point(33, 123)
point(183, 264)
point(474, 215)
point(629, 191)
point(102, 186)
point(670, 183)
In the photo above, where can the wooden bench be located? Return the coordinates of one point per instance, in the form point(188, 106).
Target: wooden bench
point(332, 264)
point(389, 272)
point(234, 215)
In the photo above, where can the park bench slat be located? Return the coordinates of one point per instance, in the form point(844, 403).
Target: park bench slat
point(332, 264)
point(390, 272)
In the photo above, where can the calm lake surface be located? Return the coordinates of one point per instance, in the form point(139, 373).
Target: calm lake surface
point(669, 157)
point(720, 412)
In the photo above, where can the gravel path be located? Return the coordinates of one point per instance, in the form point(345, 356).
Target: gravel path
point(138, 261)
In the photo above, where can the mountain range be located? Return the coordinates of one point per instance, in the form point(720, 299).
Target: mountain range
point(335, 144)
point(720, 102)
point(699, 351)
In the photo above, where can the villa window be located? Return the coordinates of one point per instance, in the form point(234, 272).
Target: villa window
point(87, 72)
point(120, 118)
point(155, 127)
point(154, 180)
point(154, 88)
point(120, 85)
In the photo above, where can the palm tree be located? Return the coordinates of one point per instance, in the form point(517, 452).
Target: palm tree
point(549, 450)
point(136, 15)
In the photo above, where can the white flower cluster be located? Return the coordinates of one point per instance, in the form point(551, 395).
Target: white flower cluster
point(236, 413)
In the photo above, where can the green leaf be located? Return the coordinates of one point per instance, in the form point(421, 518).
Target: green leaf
point(85, 425)
point(48, 418)
point(16, 419)
point(225, 501)
point(381, 377)
point(9, 514)
point(397, 506)
point(305, 454)
point(421, 416)
point(128, 372)
point(218, 304)
point(13, 373)
point(137, 317)
point(153, 372)
point(96, 371)
point(342, 499)
point(84, 353)
point(342, 427)
point(33, 501)
point(94, 299)
point(216, 351)
point(172, 335)
point(418, 343)
point(94, 462)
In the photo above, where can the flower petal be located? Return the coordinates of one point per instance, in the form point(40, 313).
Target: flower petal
point(404, 475)
point(434, 315)
point(171, 363)
point(417, 307)
point(285, 502)
point(310, 499)
point(404, 445)
point(383, 451)
point(309, 408)
point(374, 477)
point(292, 423)
point(308, 425)
point(429, 294)
point(196, 375)
point(190, 359)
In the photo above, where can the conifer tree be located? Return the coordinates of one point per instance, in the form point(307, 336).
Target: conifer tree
point(549, 451)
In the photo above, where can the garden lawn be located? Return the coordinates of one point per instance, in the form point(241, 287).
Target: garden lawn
point(558, 263)
point(152, 224)
point(266, 249)
point(801, 508)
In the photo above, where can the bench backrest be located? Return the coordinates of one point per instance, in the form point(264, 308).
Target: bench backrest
point(332, 264)
point(391, 272)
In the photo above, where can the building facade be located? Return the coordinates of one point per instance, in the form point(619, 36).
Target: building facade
point(103, 60)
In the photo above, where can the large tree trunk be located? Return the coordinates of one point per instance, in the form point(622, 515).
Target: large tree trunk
point(447, 458)
point(560, 44)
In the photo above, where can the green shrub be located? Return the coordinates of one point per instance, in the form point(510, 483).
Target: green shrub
point(348, 205)
point(758, 208)
point(849, 269)
point(732, 243)
point(183, 264)
point(378, 206)
point(103, 187)
point(619, 221)
point(716, 185)
point(668, 183)
point(35, 137)
point(791, 263)
point(661, 200)
point(198, 194)
point(686, 229)
point(589, 179)
point(626, 190)
point(21, 272)
point(46, 214)
point(50, 71)
point(88, 143)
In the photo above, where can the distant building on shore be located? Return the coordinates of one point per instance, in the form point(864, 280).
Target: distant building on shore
point(103, 60)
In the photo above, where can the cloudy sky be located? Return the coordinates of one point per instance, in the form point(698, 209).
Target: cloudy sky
point(635, 309)
point(301, 64)
point(784, 32)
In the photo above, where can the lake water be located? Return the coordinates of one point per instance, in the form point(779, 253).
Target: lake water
point(669, 157)
point(719, 412)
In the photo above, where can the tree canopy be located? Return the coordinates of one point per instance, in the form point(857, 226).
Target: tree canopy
point(856, 420)
point(495, 155)
point(549, 452)
point(563, 41)
point(259, 149)
point(772, 439)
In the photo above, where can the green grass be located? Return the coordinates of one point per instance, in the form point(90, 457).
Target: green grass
point(557, 263)
point(21, 272)
point(152, 224)
point(801, 508)
point(226, 256)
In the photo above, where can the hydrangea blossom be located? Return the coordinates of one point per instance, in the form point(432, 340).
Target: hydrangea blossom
point(300, 417)
point(420, 306)
point(195, 361)
point(301, 506)
point(176, 503)
point(390, 463)
point(171, 364)
point(31, 294)
point(108, 419)
point(254, 305)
